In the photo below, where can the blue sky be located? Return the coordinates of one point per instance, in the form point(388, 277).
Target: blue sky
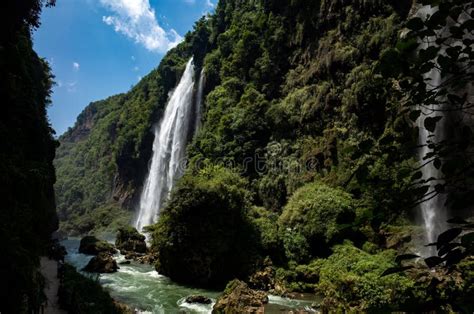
point(98, 48)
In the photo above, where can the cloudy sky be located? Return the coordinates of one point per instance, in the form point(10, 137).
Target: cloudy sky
point(98, 48)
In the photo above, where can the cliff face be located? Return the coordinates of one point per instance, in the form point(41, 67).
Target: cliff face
point(299, 78)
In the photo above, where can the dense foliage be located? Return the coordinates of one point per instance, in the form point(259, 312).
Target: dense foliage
point(204, 235)
point(81, 295)
point(319, 215)
point(351, 275)
point(28, 216)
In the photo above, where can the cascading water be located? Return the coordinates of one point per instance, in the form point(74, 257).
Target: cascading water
point(199, 96)
point(433, 211)
point(169, 148)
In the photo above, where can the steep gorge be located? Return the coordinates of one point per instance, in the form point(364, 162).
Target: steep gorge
point(303, 168)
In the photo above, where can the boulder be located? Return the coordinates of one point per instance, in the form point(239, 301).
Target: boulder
point(263, 279)
point(102, 263)
point(239, 298)
point(198, 299)
point(92, 246)
point(130, 240)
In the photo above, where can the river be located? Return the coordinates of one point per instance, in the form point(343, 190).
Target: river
point(143, 289)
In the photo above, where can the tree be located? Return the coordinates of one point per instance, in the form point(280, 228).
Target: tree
point(433, 66)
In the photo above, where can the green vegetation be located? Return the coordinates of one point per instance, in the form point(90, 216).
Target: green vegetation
point(92, 246)
point(350, 280)
point(315, 216)
point(28, 216)
point(80, 295)
point(204, 236)
point(305, 143)
point(129, 239)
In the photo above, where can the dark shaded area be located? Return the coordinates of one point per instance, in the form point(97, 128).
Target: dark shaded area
point(27, 149)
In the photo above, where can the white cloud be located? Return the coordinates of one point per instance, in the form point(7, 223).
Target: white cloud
point(190, 1)
point(136, 69)
point(209, 3)
point(76, 66)
point(133, 58)
point(136, 19)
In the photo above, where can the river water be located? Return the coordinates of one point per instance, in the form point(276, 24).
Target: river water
point(143, 289)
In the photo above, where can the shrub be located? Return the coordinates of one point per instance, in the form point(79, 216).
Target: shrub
point(300, 278)
point(269, 239)
point(316, 214)
point(79, 294)
point(350, 279)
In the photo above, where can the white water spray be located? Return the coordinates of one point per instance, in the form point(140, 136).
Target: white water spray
point(169, 149)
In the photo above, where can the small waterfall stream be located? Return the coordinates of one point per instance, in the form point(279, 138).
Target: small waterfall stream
point(433, 211)
point(199, 97)
point(169, 148)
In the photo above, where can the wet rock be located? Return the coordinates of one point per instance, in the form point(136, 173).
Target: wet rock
point(132, 255)
point(92, 246)
point(102, 263)
point(130, 240)
point(141, 258)
point(397, 237)
point(147, 259)
point(198, 299)
point(125, 263)
point(239, 298)
point(263, 279)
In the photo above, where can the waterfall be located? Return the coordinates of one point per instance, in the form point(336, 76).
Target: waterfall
point(199, 96)
point(433, 211)
point(169, 148)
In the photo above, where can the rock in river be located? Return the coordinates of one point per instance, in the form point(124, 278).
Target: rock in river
point(239, 298)
point(130, 240)
point(198, 299)
point(102, 263)
point(92, 246)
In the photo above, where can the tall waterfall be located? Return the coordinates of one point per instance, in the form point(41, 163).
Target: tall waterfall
point(169, 148)
point(433, 211)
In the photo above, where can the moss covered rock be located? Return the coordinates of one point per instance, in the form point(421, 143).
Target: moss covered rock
point(239, 298)
point(92, 246)
point(130, 240)
point(102, 263)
